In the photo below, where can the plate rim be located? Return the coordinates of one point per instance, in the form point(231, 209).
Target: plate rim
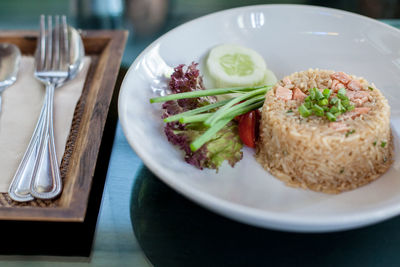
point(247, 214)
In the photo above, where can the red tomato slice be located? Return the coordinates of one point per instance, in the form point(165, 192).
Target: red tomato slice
point(248, 127)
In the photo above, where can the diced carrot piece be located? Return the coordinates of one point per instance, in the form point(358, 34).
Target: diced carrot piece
point(354, 85)
point(336, 85)
point(283, 93)
point(358, 97)
point(341, 76)
point(298, 94)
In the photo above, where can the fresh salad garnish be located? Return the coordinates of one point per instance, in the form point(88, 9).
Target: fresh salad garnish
point(203, 127)
point(209, 129)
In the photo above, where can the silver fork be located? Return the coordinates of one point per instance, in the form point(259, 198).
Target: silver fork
point(52, 68)
point(38, 175)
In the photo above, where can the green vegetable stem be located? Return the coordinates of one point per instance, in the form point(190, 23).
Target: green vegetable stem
point(208, 92)
point(216, 115)
point(318, 103)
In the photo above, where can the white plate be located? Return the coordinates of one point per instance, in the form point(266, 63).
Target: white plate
point(290, 38)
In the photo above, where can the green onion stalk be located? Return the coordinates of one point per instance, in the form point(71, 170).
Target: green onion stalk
point(249, 98)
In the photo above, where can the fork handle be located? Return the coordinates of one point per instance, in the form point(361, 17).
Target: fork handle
point(46, 184)
point(19, 189)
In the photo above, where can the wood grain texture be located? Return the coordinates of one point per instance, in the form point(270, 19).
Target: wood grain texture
point(79, 160)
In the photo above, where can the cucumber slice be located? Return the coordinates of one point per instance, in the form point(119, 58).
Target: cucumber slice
point(235, 65)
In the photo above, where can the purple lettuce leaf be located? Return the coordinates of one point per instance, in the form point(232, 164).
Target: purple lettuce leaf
point(226, 145)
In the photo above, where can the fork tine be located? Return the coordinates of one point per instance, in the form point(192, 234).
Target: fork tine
point(56, 48)
point(41, 55)
point(65, 52)
point(49, 43)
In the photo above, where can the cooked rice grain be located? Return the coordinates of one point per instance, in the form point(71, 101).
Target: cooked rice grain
point(306, 153)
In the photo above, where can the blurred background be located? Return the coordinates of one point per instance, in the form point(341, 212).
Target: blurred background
point(148, 19)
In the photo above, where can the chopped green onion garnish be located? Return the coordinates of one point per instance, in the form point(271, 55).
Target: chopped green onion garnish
point(323, 102)
point(374, 143)
point(340, 106)
point(318, 110)
point(334, 100)
point(345, 102)
point(289, 111)
point(370, 88)
point(318, 103)
point(383, 144)
point(330, 116)
point(312, 94)
point(318, 94)
point(326, 93)
point(337, 114)
point(304, 112)
point(342, 93)
point(334, 110)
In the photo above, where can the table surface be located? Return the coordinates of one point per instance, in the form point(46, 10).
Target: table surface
point(115, 243)
point(135, 226)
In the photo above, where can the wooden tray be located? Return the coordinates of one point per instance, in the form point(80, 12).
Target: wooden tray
point(79, 160)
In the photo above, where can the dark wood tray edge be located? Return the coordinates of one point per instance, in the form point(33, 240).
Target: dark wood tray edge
point(109, 46)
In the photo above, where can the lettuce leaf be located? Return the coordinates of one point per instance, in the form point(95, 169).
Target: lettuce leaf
point(226, 145)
